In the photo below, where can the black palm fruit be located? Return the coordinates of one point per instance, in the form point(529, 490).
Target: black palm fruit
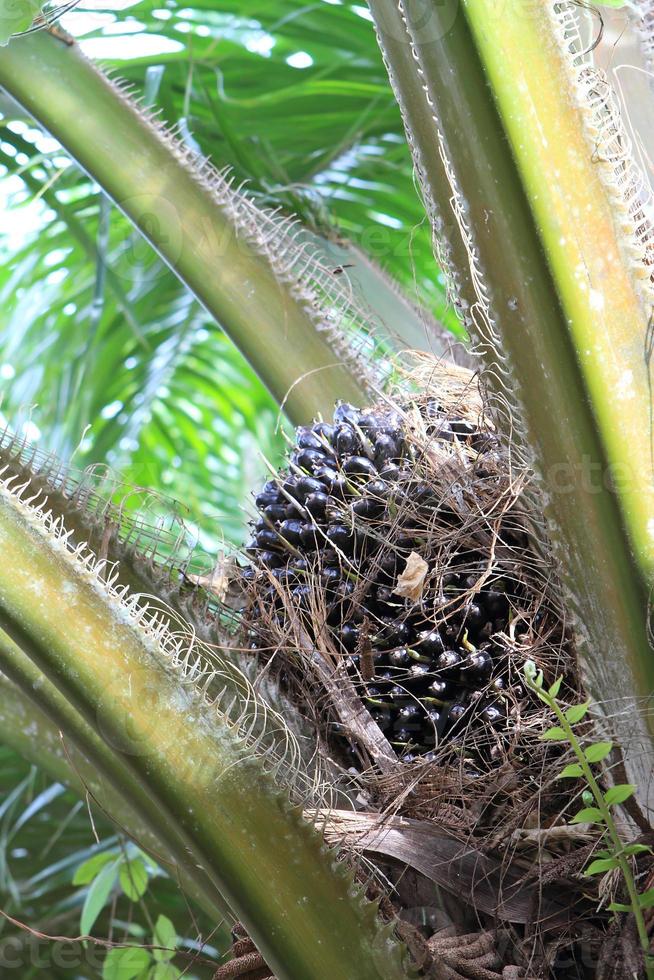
point(316, 503)
point(336, 530)
point(347, 441)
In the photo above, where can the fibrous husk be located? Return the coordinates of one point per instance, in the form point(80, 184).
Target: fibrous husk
point(468, 535)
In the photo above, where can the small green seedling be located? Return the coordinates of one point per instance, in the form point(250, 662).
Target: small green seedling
point(598, 805)
point(128, 869)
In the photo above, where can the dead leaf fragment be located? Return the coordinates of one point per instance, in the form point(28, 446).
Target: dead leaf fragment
point(412, 580)
point(220, 581)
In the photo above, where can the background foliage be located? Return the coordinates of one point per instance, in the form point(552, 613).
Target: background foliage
point(96, 332)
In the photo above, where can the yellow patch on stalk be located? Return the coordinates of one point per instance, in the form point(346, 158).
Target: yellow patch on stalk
point(561, 132)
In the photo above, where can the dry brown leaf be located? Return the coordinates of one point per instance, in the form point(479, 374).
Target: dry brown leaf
point(217, 584)
point(220, 581)
point(412, 580)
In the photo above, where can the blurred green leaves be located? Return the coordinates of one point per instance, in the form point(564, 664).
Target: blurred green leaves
point(16, 16)
point(133, 877)
point(98, 896)
point(150, 964)
point(49, 860)
point(101, 350)
point(125, 963)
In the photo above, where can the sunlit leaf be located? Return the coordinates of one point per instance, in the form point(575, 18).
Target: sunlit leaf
point(577, 712)
point(601, 865)
point(165, 971)
point(165, 935)
point(589, 814)
point(554, 734)
point(618, 794)
point(571, 771)
point(556, 687)
point(97, 896)
point(636, 849)
point(92, 868)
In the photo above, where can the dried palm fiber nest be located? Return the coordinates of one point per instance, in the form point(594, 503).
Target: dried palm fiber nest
point(395, 586)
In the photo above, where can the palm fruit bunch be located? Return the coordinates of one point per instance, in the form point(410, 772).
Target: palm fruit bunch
point(365, 498)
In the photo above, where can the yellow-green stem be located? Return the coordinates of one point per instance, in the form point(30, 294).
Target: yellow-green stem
point(586, 236)
point(609, 822)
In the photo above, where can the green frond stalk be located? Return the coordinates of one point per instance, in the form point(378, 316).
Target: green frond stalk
point(587, 231)
point(402, 324)
point(538, 388)
point(138, 557)
point(260, 293)
point(417, 114)
point(58, 740)
point(204, 777)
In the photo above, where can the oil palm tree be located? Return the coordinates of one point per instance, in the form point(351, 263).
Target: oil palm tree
point(497, 162)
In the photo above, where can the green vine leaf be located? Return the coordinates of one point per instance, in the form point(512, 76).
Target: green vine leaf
point(125, 964)
point(554, 734)
point(556, 687)
point(636, 849)
point(91, 868)
point(599, 751)
point(601, 865)
point(164, 935)
point(646, 900)
point(97, 895)
point(164, 971)
point(589, 814)
point(618, 794)
point(619, 907)
point(577, 712)
point(572, 771)
point(133, 879)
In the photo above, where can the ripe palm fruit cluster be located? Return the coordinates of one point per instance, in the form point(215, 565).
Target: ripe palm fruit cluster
point(364, 497)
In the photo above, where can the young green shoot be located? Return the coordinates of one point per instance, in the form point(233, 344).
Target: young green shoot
point(598, 807)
